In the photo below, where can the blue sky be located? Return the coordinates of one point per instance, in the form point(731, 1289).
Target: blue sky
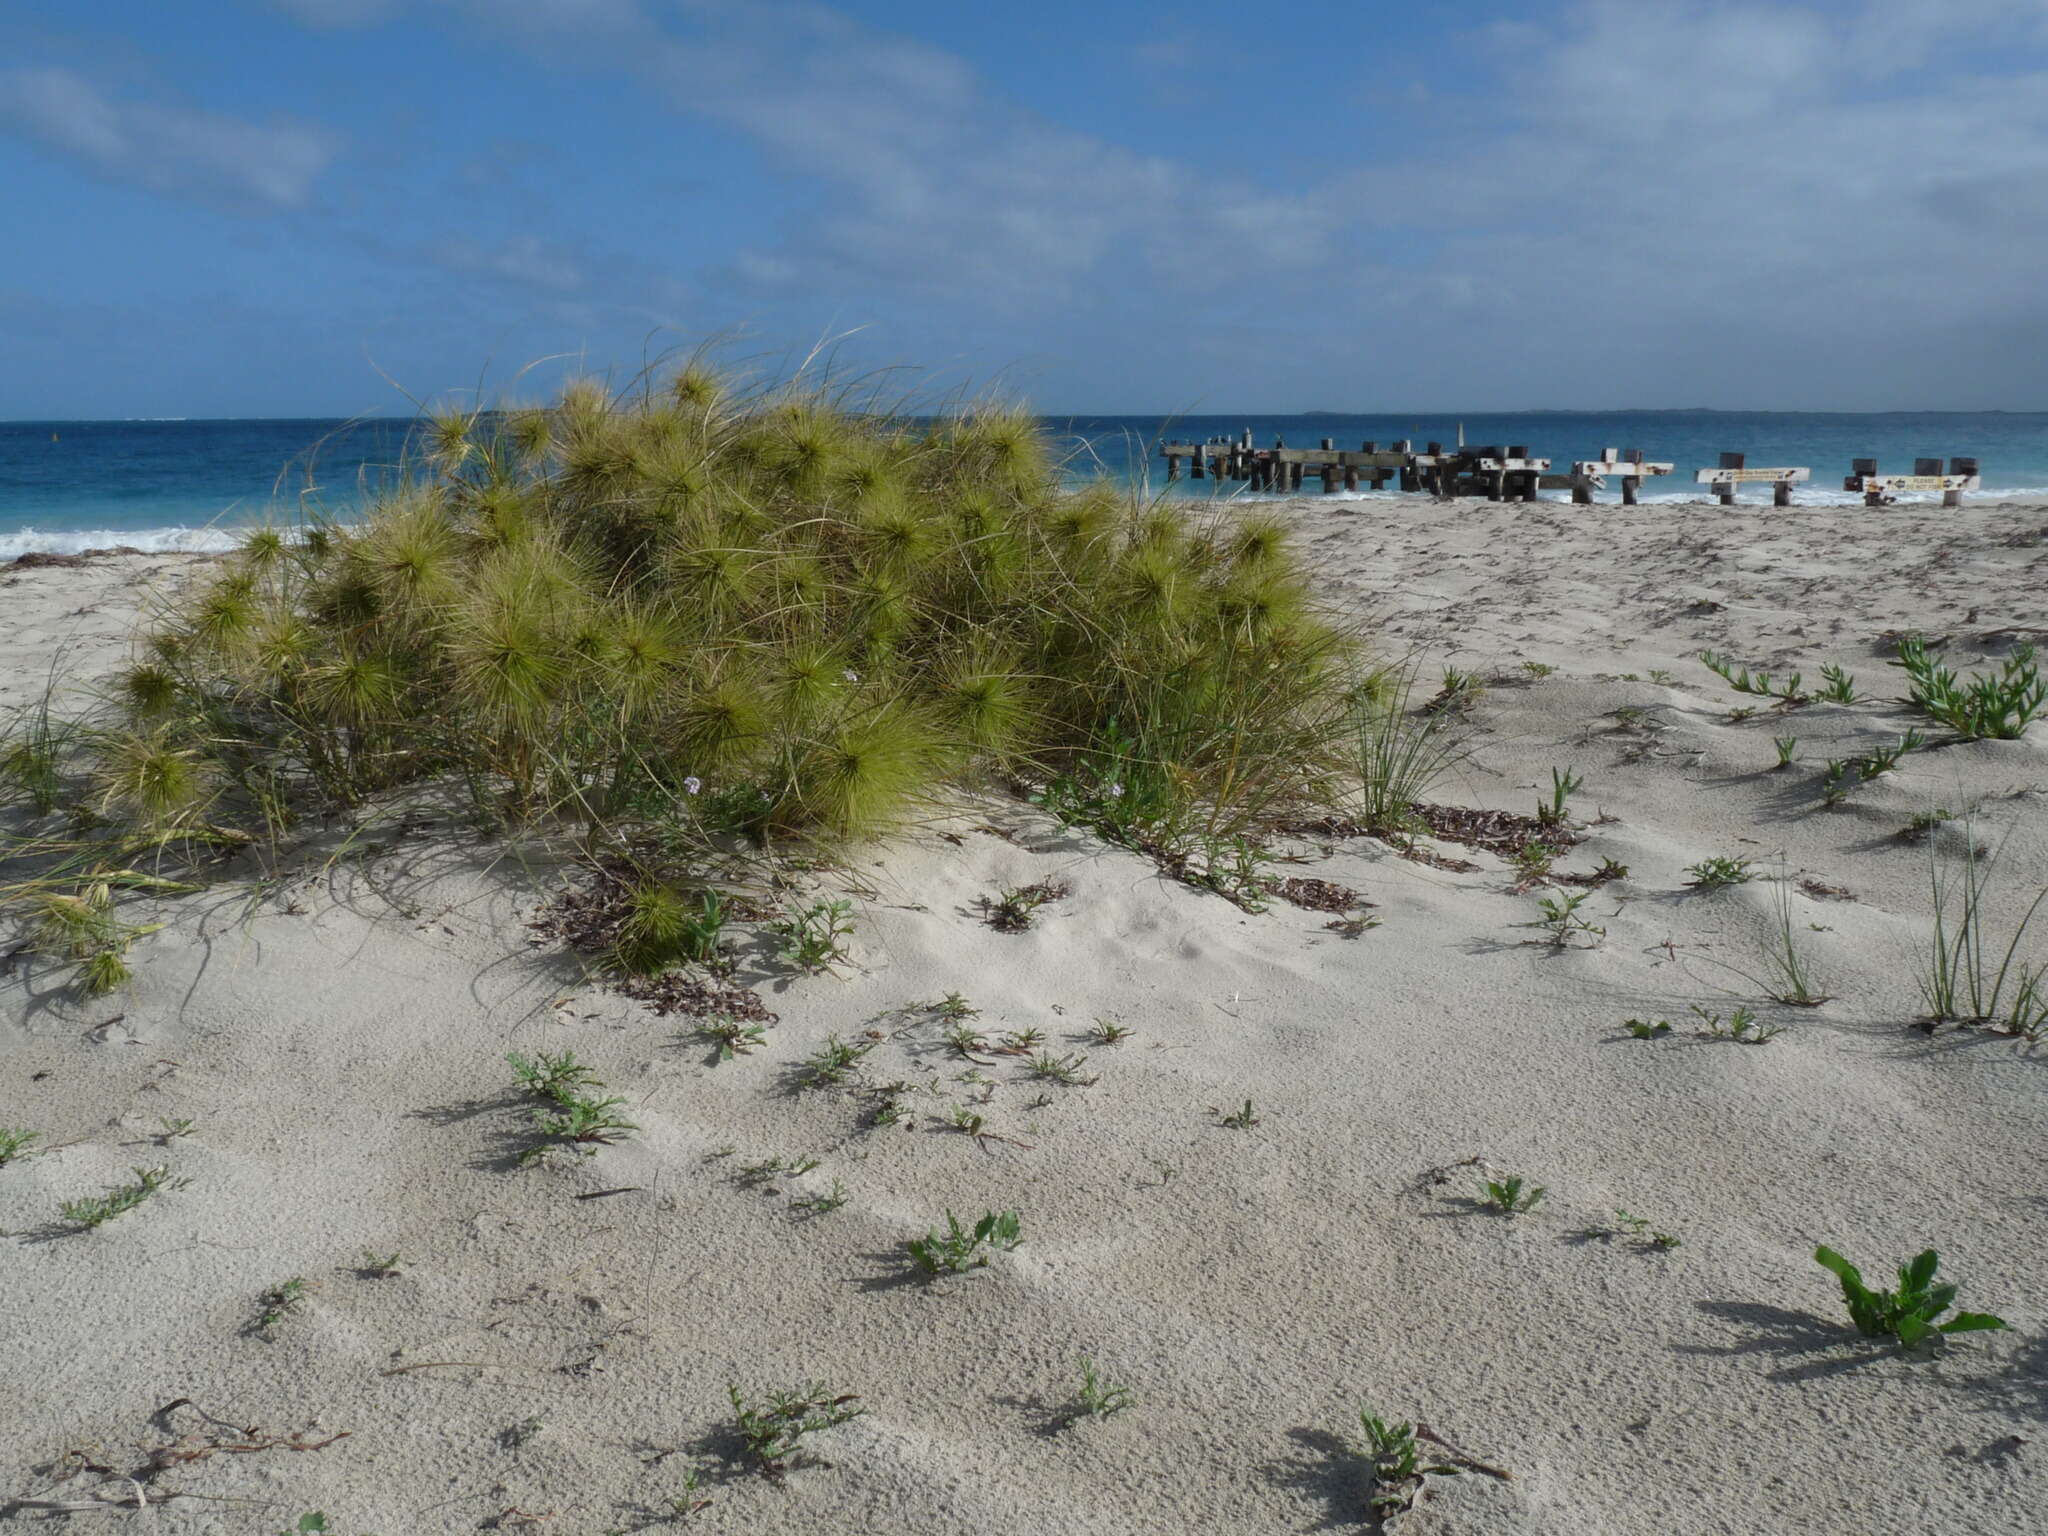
point(313, 207)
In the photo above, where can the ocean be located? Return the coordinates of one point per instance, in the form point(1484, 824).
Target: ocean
point(71, 485)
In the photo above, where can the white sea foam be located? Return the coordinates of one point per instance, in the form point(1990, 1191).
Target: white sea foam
point(70, 541)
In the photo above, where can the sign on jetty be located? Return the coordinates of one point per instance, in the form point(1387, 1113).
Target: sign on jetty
point(1628, 464)
point(1927, 476)
point(1734, 471)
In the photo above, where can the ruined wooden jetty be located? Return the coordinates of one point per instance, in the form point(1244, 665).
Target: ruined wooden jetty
point(1927, 476)
point(1508, 472)
point(1499, 472)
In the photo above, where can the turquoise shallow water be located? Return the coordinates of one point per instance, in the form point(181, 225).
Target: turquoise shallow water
point(72, 485)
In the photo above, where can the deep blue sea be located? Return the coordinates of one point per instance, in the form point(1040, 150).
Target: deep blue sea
point(69, 485)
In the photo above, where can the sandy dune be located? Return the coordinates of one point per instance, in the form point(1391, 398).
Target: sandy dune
point(554, 1351)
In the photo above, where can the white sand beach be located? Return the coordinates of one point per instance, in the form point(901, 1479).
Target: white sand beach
point(553, 1348)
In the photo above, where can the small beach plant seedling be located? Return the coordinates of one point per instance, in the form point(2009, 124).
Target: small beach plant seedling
point(580, 1123)
point(1064, 1070)
point(1559, 917)
point(814, 939)
point(772, 1431)
point(1644, 1029)
point(1660, 676)
point(1921, 823)
point(1907, 1314)
point(1532, 861)
point(959, 1249)
point(1021, 1042)
point(1100, 1398)
point(822, 1205)
point(119, 1198)
point(17, 1144)
point(1460, 691)
point(963, 1039)
point(733, 1037)
point(1741, 1027)
point(556, 1077)
point(1102, 1032)
point(1232, 867)
point(1636, 1227)
point(1997, 705)
point(1966, 976)
point(953, 1007)
point(1563, 785)
point(1538, 669)
point(1397, 1465)
point(1511, 1196)
point(1835, 782)
point(1840, 686)
point(1761, 684)
point(379, 1266)
point(1788, 749)
point(1243, 1118)
point(1630, 717)
point(1884, 759)
point(833, 1062)
point(169, 1130)
point(280, 1301)
point(1710, 874)
point(773, 1168)
point(1015, 909)
point(1741, 713)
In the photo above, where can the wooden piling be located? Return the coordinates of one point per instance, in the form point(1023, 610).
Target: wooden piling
point(1725, 492)
point(1954, 497)
point(1871, 498)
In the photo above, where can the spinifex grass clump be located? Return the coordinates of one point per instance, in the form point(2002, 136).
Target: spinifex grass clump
point(730, 614)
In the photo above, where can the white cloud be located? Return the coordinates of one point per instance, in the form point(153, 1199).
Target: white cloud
point(169, 149)
point(523, 259)
point(1748, 190)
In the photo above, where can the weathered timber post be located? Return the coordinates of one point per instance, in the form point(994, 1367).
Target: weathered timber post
point(1195, 467)
point(1953, 496)
point(1329, 478)
point(1867, 469)
point(1725, 491)
point(1294, 476)
point(1631, 485)
point(1173, 466)
point(1350, 477)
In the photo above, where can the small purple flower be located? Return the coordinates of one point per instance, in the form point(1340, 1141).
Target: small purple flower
point(850, 675)
point(692, 784)
point(1116, 791)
